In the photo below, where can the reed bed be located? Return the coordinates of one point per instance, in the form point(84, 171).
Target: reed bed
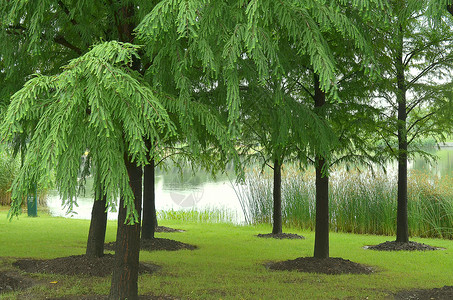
point(360, 202)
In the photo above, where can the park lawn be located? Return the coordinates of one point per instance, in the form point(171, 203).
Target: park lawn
point(228, 263)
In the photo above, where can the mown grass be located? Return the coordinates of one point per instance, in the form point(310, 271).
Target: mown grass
point(360, 202)
point(228, 263)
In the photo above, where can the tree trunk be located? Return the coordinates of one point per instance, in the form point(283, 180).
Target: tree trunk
point(402, 227)
point(125, 272)
point(277, 217)
point(322, 211)
point(149, 202)
point(98, 225)
point(322, 191)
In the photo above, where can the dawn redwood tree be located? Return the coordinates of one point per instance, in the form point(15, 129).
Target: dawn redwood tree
point(69, 29)
point(96, 103)
point(276, 125)
point(414, 90)
point(292, 18)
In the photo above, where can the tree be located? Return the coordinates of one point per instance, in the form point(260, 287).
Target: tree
point(97, 103)
point(414, 90)
point(276, 124)
point(70, 29)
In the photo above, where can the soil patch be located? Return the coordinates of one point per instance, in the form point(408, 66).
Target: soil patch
point(397, 246)
point(444, 293)
point(332, 265)
point(167, 229)
point(157, 244)
point(281, 236)
point(10, 283)
point(77, 265)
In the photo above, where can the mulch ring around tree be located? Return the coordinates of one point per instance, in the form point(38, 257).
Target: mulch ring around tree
point(281, 236)
point(167, 229)
point(157, 244)
point(12, 282)
point(444, 293)
point(331, 266)
point(398, 246)
point(77, 265)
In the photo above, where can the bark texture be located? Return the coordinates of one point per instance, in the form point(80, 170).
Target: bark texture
point(322, 191)
point(277, 193)
point(125, 272)
point(402, 227)
point(98, 225)
point(149, 223)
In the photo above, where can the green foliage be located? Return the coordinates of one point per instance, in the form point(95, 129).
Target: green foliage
point(182, 42)
point(96, 103)
point(8, 170)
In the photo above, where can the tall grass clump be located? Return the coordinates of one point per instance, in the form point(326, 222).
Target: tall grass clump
point(360, 202)
point(199, 216)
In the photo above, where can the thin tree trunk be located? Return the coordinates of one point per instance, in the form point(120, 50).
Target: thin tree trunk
point(322, 191)
point(402, 227)
point(98, 225)
point(125, 272)
point(322, 211)
point(149, 223)
point(277, 217)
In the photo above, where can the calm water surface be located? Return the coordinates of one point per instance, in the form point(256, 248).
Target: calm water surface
point(200, 191)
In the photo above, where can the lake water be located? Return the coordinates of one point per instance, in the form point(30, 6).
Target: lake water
point(202, 192)
point(198, 191)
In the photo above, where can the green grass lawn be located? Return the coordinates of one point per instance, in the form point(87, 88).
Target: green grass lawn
point(228, 263)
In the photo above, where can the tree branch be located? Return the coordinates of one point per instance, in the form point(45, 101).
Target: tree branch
point(419, 120)
point(426, 70)
point(305, 89)
point(66, 11)
point(62, 41)
point(415, 103)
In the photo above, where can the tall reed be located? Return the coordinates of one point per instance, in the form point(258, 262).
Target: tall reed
point(360, 202)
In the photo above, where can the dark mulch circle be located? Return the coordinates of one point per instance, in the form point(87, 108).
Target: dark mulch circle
point(281, 236)
point(333, 265)
point(157, 244)
point(10, 283)
point(167, 229)
point(77, 265)
point(397, 246)
point(444, 293)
